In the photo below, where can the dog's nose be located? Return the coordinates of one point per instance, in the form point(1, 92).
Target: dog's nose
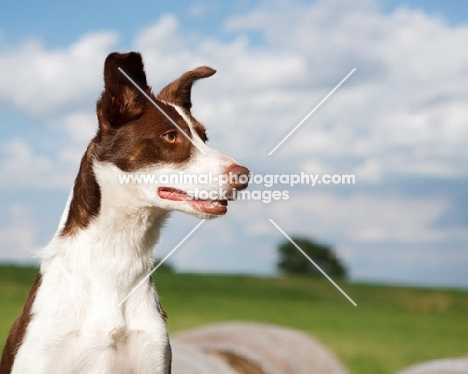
point(238, 176)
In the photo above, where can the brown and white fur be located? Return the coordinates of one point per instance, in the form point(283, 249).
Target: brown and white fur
point(71, 322)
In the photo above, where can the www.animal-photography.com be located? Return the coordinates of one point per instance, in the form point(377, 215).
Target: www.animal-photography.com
point(251, 187)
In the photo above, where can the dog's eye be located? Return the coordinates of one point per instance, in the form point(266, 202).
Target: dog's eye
point(170, 136)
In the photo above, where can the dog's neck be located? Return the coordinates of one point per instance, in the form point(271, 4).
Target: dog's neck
point(116, 245)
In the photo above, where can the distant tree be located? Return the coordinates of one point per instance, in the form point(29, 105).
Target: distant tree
point(292, 261)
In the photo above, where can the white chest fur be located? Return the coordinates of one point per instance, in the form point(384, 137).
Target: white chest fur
point(77, 325)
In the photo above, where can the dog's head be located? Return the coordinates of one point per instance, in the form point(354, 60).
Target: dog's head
point(152, 148)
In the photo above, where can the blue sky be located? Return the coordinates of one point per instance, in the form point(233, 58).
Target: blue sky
point(399, 123)
point(58, 24)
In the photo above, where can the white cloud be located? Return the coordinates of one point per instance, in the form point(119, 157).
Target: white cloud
point(52, 86)
point(18, 237)
point(356, 218)
point(40, 81)
point(406, 101)
point(20, 162)
point(80, 126)
point(22, 167)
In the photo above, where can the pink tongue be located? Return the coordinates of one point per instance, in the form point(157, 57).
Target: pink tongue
point(172, 195)
point(210, 207)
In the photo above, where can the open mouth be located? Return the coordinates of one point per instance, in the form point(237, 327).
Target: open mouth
point(214, 207)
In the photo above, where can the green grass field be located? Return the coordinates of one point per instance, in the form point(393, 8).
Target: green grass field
point(391, 328)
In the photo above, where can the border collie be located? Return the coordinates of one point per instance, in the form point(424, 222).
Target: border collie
point(72, 322)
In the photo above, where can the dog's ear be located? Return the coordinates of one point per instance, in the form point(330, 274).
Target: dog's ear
point(179, 91)
point(121, 101)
